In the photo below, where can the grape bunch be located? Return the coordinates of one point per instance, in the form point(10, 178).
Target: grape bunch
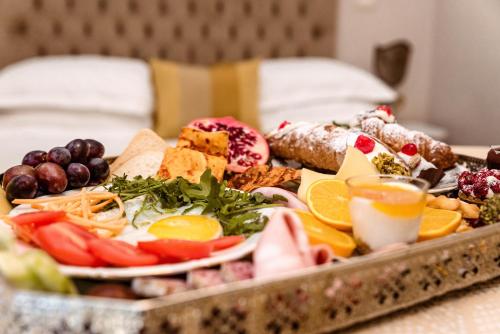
point(76, 165)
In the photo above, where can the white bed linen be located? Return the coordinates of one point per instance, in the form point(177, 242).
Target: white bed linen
point(78, 84)
point(341, 112)
point(27, 130)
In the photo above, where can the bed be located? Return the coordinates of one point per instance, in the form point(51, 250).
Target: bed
point(188, 31)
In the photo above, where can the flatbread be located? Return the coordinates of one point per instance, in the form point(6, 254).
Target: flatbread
point(144, 140)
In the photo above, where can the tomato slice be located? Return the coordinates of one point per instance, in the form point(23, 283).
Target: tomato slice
point(68, 244)
point(226, 242)
point(120, 253)
point(39, 218)
point(178, 249)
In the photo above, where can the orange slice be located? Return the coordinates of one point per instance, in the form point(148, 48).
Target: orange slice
point(438, 223)
point(328, 200)
point(320, 233)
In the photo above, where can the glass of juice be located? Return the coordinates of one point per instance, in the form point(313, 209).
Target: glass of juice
point(386, 209)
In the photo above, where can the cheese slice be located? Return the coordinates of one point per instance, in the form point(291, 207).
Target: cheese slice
point(308, 177)
point(355, 164)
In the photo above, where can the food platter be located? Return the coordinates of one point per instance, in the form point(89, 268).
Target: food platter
point(214, 216)
point(331, 297)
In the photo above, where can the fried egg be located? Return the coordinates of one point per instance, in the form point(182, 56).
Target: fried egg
point(155, 223)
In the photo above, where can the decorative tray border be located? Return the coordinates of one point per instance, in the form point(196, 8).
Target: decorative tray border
point(325, 298)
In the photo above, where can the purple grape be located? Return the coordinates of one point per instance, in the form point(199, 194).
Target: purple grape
point(78, 175)
point(99, 169)
point(21, 186)
point(96, 149)
point(79, 150)
point(16, 171)
point(60, 156)
point(51, 178)
point(34, 158)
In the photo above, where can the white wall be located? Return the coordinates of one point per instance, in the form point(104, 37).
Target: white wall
point(365, 23)
point(465, 76)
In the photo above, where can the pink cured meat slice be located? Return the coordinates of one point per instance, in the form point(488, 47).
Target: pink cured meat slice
point(284, 246)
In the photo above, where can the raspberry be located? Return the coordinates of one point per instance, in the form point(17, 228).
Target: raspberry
point(467, 189)
point(466, 178)
point(484, 173)
point(283, 124)
point(481, 188)
point(385, 108)
point(409, 149)
point(364, 144)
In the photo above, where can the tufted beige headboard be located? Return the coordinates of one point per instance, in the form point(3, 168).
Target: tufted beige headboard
point(195, 31)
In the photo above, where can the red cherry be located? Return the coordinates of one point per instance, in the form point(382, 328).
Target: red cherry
point(409, 149)
point(283, 124)
point(385, 108)
point(364, 144)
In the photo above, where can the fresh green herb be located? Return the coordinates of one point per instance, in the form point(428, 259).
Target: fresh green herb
point(236, 210)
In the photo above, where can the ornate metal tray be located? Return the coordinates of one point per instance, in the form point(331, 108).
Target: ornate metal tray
point(320, 299)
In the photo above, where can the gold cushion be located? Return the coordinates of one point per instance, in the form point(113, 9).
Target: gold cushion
point(185, 92)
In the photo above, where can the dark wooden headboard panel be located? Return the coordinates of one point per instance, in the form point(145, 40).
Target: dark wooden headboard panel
point(194, 31)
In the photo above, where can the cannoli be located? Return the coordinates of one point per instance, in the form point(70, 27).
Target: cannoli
point(323, 146)
point(380, 123)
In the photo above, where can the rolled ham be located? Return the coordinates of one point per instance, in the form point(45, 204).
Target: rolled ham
point(284, 246)
point(293, 202)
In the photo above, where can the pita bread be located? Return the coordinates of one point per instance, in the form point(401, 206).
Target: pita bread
point(144, 140)
point(145, 164)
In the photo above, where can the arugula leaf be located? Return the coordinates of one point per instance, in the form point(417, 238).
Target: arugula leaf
point(236, 210)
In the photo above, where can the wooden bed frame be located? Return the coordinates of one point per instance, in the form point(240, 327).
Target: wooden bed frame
point(192, 31)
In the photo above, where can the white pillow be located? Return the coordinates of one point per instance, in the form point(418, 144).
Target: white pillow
point(338, 111)
point(305, 81)
point(34, 129)
point(78, 83)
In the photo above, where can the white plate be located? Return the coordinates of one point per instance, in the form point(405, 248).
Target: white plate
point(230, 254)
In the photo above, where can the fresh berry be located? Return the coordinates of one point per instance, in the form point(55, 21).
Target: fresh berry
point(385, 108)
point(283, 124)
point(481, 188)
point(466, 178)
point(409, 149)
point(364, 144)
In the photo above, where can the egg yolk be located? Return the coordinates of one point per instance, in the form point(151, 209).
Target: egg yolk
point(196, 228)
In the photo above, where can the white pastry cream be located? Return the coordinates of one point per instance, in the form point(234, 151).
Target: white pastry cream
point(389, 213)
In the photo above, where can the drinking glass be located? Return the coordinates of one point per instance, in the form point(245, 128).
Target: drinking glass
point(386, 209)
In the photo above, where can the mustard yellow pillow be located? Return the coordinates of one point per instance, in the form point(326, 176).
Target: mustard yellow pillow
point(185, 92)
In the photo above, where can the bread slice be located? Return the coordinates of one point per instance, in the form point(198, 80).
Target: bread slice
point(184, 162)
point(217, 165)
point(212, 143)
point(145, 164)
point(144, 140)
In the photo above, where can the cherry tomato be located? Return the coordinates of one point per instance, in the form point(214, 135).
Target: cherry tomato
point(226, 242)
point(39, 218)
point(178, 249)
point(120, 253)
point(68, 244)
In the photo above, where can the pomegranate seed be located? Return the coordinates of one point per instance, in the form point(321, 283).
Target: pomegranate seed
point(385, 108)
point(364, 144)
point(409, 149)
